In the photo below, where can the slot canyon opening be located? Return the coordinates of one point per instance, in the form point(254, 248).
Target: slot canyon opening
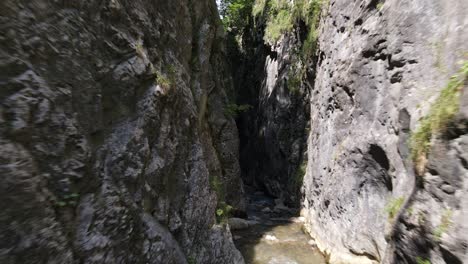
point(272, 122)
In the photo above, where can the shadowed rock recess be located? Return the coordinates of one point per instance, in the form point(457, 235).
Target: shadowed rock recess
point(129, 128)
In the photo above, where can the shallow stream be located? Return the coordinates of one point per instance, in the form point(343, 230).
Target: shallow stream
point(275, 235)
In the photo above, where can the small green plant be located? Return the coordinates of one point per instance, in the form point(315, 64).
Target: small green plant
point(139, 49)
point(68, 200)
point(163, 80)
point(410, 211)
point(440, 115)
point(294, 82)
point(223, 212)
point(166, 81)
point(444, 225)
point(217, 186)
point(421, 218)
point(191, 260)
point(420, 260)
point(393, 207)
point(222, 209)
point(233, 110)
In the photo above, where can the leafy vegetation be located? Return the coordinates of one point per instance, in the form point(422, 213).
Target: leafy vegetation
point(279, 24)
point(223, 212)
point(282, 15)
point(236, 13)
point(233, 110)
point(440, 115)
point(311, 14)
point(393, 207)
point(68, 200)
point(445, 223)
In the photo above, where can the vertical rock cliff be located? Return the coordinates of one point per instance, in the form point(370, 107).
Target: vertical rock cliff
point(114, 145)
point(382, 65)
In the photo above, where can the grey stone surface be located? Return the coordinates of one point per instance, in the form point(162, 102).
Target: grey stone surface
point(381, 65)
point(100, 161)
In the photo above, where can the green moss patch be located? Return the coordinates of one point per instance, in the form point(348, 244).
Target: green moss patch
point(440, 115)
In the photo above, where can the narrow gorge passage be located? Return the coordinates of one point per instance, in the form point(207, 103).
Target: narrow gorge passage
point(340, 89)
point(233, 131)
point(272, 118)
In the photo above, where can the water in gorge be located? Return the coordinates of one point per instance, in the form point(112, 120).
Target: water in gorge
point(276, 235)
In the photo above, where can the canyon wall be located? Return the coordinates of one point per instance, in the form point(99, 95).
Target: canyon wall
point(381, 67)
point(273, 133)
point(114, 144)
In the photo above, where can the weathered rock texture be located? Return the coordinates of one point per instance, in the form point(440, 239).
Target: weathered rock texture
point(112, 128)
point(273, 133)
point(381, 66)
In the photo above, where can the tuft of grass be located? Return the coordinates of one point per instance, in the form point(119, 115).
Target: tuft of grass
point(380, 6)
point(393, 207)
point(166, 81)
point(233, 110)
point(258, 7)
point(294, 82)
point(444, 225)
point(300, 174)
point(139, 49)
point(410, 211)
point(440, 115)
point(217, 186)
point(420, 260)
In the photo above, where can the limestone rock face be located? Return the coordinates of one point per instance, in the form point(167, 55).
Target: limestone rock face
point(273, 133)
point(381, 65)
point(112, 131)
